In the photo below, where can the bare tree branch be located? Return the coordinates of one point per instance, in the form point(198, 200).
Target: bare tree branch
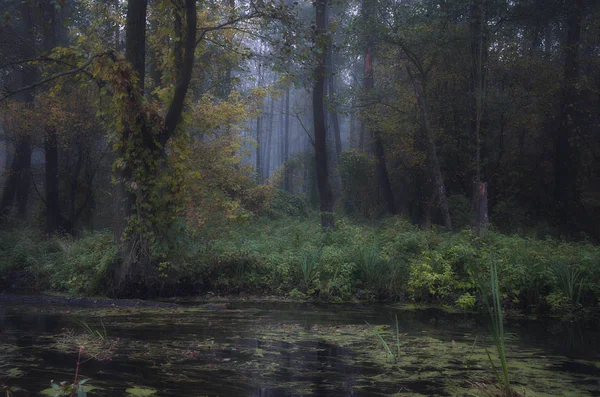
point(79, 69)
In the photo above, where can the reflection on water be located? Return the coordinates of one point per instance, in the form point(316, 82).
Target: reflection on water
point(281, 349)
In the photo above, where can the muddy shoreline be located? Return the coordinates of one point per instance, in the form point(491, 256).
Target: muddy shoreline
point(16, 299)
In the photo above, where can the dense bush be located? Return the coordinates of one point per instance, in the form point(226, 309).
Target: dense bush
point(391, 259)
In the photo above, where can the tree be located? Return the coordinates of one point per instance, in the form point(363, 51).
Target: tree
point(141, 144)
point(566, 169)
point(383, 179)
point(320, 76)
point(18, 175)
point(479, 45)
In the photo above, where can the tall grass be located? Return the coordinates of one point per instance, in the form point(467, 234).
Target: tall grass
point(309, 266)
point(388, 350)
point(496, 317)
point(569, 280)
point(374, 271)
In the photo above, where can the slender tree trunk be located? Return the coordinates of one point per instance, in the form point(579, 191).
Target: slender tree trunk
point(383, 180)
point(325, 196)
point(420, 89)
point(280, 142)
point(53, 211)
point(269, 140)
point(566, 172)
point(479, 217)
point(259, 149)
point(54, 218)
point(335, 120)
point(259, 130)
point(286, 138)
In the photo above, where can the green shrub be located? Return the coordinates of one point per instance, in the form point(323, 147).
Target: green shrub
point(284, 203)
point(83, 265)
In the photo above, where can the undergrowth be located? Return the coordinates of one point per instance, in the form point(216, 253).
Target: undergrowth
point(391, 259)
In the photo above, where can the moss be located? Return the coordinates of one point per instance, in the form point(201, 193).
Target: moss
point(51, 392)
point(140, 391)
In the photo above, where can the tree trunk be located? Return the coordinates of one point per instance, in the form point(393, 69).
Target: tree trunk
point(54, 218)
point(53, 212)
point(383, 180)
point(286, 139)
point(420, 89)
point(259, 130)
point(135, 53)
point(259, 172)
point(18, 175)
point(269, 140)
point(335, 120)
point(135, 38)
point(136, 246)
point(566, 172)
point(325, 196)
point(479, 220)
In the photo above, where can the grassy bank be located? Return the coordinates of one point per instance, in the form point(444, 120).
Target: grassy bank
point(293, 257)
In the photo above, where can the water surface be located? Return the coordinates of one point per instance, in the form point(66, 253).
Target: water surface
point(286, 349)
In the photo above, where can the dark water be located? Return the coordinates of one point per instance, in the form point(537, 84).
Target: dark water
point(282, 349)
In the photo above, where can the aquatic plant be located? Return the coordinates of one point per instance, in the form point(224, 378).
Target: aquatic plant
point(90, 345)
point(496, 318)
point(388, 350)
point(71, 390)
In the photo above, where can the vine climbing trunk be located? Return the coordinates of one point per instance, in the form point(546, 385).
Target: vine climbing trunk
point(124, 197)
point(139, 197)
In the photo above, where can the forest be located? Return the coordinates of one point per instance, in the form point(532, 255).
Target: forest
point(264, 198)
point(325, 150)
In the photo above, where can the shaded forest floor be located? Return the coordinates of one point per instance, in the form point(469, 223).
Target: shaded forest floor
point(291, 257)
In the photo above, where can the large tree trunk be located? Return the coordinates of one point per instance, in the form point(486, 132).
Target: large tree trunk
point(124, 199)
point(566, 171)
point(135, 38)
point(135, 246)
point(420, 89)
point(325, 196)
